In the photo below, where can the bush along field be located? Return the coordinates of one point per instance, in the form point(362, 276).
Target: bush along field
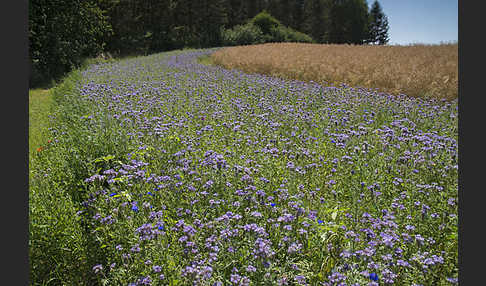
point(164, 171)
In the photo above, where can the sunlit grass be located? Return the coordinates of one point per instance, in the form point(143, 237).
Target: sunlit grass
point(205, 60)
point(40, 101)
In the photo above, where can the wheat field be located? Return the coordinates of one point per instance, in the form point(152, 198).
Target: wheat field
point(426, 71)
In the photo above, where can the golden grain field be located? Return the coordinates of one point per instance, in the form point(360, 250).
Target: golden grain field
point(414, 70)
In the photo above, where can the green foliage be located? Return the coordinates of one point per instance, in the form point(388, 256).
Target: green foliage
point(297, 13)
point(316, 19)
point(39, 107)
point(57, 248)
point(242, 35)
point(265, 22)
point(263, 28)
point(378, 25)
point(286, 34)
point(349, 22)
point(299, 37)
point(61, 35)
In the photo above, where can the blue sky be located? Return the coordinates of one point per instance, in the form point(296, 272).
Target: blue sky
point(420, 21)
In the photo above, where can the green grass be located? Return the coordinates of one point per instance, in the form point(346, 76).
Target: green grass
point(58, 252)
point(40, 102)
point(205, 60)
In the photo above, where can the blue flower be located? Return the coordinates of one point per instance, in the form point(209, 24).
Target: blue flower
point(157, 268)
point(319, 221)
point(374, 276)
point(112, 194)
point(273, 204)
point(135, 208)
point(150, 193)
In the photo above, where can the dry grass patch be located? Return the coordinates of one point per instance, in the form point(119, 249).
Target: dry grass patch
point(414, 70)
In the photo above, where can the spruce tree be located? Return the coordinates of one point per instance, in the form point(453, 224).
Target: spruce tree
point(284, 15)
point(297, 14)
point(316, 19)
point(237, 13)
point(252, 8)
point(349, 22)
point(272, 7)
point(339, 22)
point(358, 29)
point(378, 29)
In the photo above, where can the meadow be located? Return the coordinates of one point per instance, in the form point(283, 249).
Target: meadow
point(165, 171)
point(39, 107)
point(425, 71)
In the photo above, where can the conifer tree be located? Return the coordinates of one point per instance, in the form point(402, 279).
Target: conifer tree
point(378, 28)
point(316, 19)
point(349, 22)
point(297, 14)
point(237, 13)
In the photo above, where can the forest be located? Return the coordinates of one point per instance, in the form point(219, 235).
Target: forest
point(64, 33)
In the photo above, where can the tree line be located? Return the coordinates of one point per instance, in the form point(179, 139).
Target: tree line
point(63, 33)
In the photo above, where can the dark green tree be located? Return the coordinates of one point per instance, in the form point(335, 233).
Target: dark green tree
point(297, 11)
point(161, 25)
point(272, 7)
point(317, 19)
point(61, 35)
point(186, 18)
point(252, 8)
point(130, 21)
point(349, 22)
point(378, 25)
point(212, 17)
point(358, 24)
point(237, 13)
point(284, 14)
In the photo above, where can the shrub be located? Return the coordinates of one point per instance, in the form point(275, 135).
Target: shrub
point(286, 34)
point(242, 35)
point(265, 22)
point(299, 37)
point(277, 34)
point(263, 28)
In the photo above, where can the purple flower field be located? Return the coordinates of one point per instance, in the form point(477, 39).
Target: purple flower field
point(215, 177)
